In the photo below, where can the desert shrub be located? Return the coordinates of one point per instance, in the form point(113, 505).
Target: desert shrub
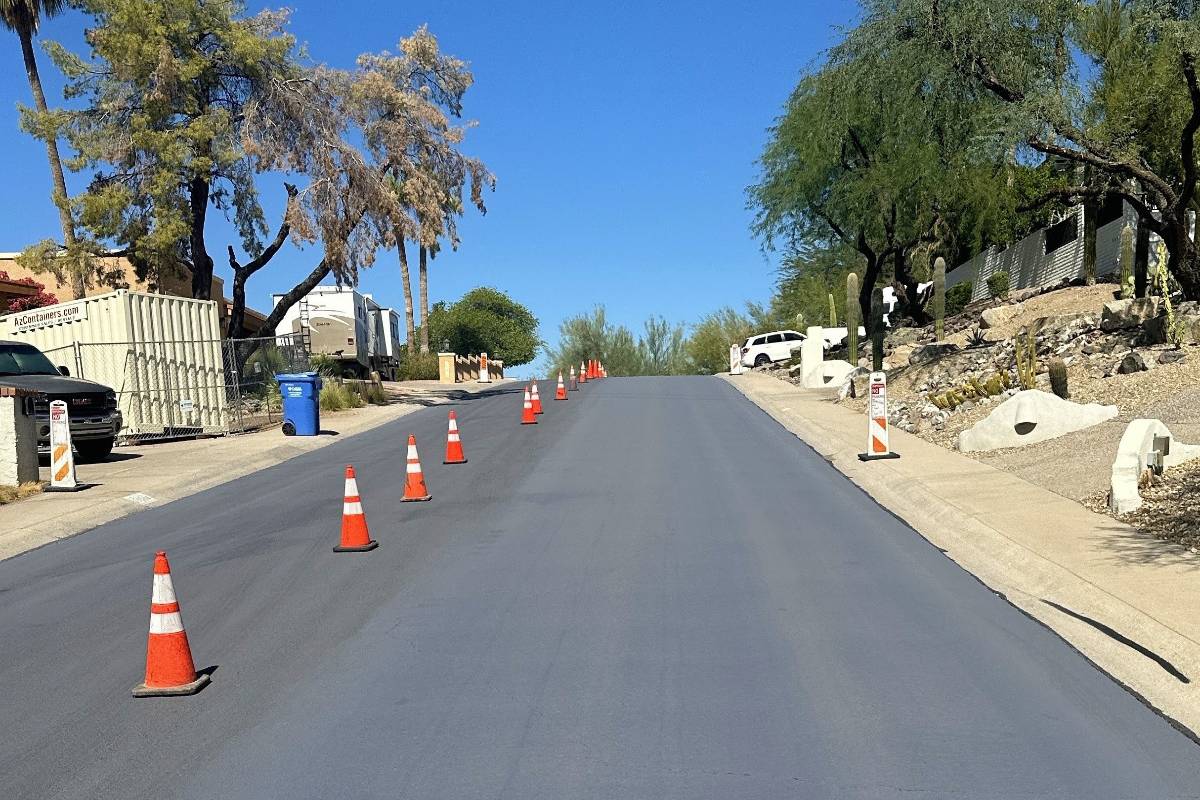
point(997, 284)
point(418, 367)
point(336, 396)
point(369, 393)
point(957, 297)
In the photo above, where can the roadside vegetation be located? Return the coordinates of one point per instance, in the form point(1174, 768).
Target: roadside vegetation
point(11, 494)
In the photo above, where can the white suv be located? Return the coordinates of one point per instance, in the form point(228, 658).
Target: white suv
point(763, 348)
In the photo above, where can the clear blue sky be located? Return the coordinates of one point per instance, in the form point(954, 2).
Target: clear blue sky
point(622, 136)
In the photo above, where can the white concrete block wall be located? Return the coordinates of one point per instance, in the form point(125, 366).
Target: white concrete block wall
point(18, 440)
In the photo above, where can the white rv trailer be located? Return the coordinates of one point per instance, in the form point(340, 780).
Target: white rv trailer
point(344, 323)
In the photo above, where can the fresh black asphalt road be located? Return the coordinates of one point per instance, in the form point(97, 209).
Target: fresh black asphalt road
point(656, 592)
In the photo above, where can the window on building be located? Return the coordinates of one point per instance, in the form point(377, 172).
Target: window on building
point(1060, 234)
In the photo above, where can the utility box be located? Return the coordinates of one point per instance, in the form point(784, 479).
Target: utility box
point(18, 437)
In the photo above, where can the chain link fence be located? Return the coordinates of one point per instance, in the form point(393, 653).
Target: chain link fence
point(175, 389)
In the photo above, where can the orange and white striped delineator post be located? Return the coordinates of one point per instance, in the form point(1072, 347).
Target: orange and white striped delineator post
point(535, 399)
point(414, 481)
point(582, 374)
point(169, 666)
point(573, 382)
point(484, 377)
point(561, 392)
point(454, 448)
point(527, 415)
point(355, 536)
point(878, 445)
point(735, 360)
point(62, 459)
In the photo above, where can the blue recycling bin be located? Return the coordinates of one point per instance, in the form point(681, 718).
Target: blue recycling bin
point(301, 394)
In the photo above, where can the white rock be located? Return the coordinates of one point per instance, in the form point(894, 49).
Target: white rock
point(1133, 459)
point(1028, 417)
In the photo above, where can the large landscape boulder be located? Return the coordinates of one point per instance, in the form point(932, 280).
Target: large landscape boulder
point(1121, 315)
point(995, 317)
point(1154, 330)
point(1029, 417)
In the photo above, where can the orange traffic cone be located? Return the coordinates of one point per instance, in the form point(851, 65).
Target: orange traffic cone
point(573, 382)
point(355, 536)
point(603, 372)
point(414, 483)
point(582, 374)
point(527, 415)
point(454, 448)
point(169, 666)
point(561, 392)
point(535, 399)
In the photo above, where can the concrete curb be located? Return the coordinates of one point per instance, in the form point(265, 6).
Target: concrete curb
point(1048, 590)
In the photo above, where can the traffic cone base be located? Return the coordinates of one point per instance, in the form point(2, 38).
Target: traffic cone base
point(362, 548)
point(142, 690)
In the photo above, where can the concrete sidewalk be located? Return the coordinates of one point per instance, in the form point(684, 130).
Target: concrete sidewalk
point(1126, 602)
point(141, 476)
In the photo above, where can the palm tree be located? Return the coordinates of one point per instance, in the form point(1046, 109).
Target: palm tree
point(423, 282)
point(23, 17)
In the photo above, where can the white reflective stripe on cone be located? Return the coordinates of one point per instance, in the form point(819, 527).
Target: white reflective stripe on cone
point(166, 623)
point(164, 590)
point(353, 507)
point(414, 467)
point(351, 487)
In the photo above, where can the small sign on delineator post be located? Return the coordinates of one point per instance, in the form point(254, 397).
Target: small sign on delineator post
point(878, 443)
point(62, 460)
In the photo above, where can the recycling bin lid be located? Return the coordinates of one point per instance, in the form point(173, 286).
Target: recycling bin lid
point(296, 377)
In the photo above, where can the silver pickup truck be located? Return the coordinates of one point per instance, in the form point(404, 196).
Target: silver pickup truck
point(95, 417)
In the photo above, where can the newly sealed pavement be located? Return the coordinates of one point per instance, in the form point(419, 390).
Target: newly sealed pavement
point(655, 592)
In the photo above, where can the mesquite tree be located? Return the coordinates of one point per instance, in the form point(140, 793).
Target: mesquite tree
point(874, 151)
point(1109, 86)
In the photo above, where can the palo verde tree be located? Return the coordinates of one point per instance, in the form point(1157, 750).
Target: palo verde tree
point(1108, 86)
point(873, 153)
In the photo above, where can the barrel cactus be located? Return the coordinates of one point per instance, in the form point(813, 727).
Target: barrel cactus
point(939, 298)
point(852, 321)
point(1057, 369)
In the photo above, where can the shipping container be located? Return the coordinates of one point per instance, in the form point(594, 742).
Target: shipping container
point(161, 354)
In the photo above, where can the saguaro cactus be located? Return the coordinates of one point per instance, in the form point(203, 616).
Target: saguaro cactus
point(1126, 261)
point(832, 312)
point(877, 330)
point(939, 298)
point(852, 317)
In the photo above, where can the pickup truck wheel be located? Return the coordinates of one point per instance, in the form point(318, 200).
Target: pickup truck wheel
point(94, 450)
